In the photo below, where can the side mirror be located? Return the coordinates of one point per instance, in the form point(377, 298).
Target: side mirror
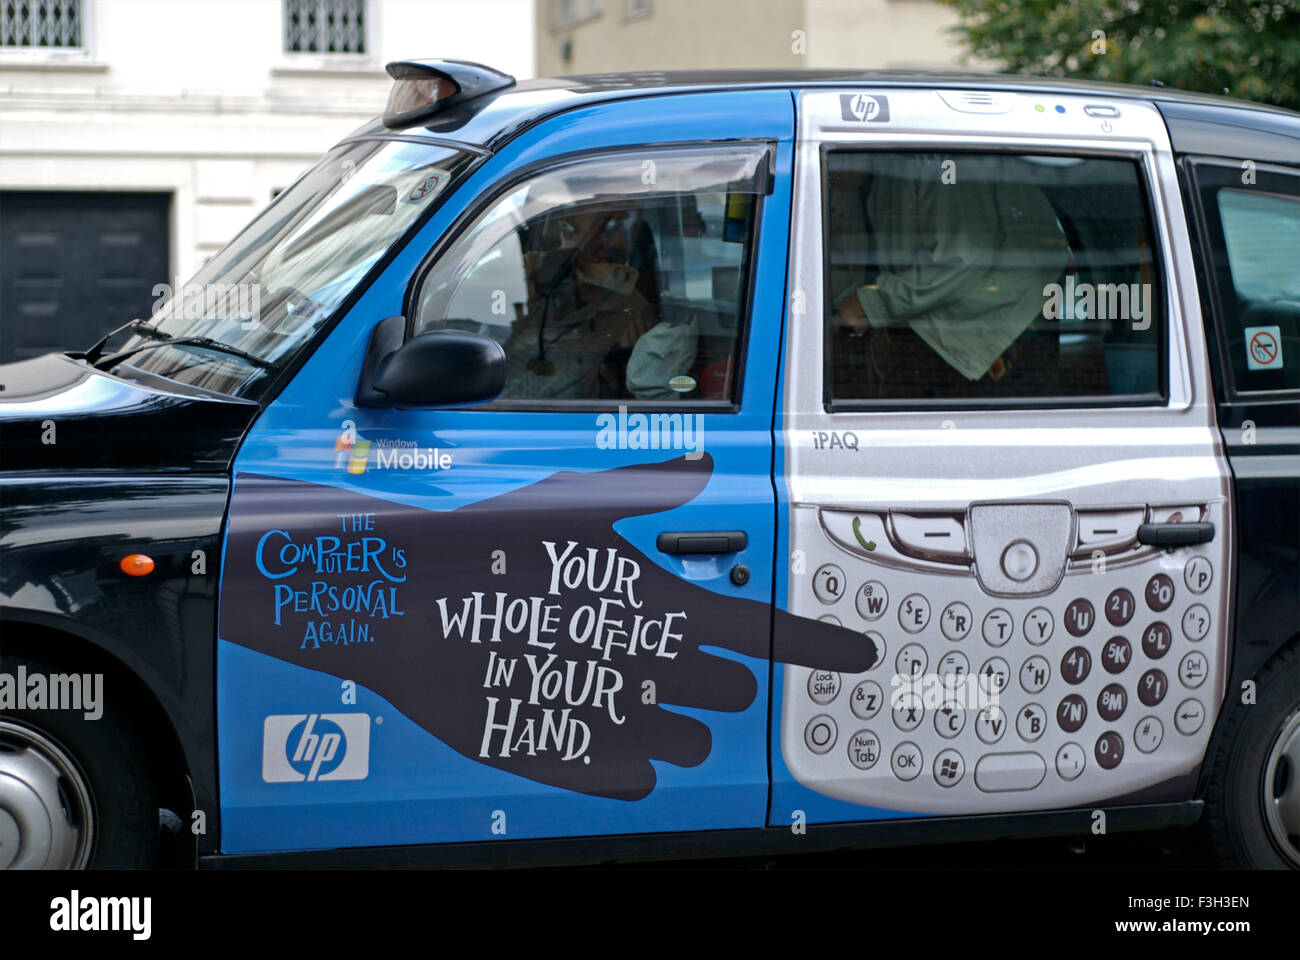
point(441, 369)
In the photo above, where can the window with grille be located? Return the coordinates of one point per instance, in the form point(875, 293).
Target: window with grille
point(324, 26)
point(54, 24)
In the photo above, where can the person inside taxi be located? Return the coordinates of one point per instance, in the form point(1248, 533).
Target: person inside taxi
point(962, 262)
point(592, 328)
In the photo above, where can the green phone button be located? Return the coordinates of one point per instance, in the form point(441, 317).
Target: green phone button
point(857, 532)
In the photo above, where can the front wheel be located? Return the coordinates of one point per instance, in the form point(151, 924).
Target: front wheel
point(75, 791)
point(1253, 799)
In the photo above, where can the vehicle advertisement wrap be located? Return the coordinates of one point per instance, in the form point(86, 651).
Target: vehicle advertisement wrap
point(451, 625)
point(547, 655)
point(1047, 598)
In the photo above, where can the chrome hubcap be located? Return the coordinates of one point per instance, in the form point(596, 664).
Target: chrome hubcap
point(1282, 789)
point(45, 811)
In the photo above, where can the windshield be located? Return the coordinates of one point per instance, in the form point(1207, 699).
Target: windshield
point(285, 274)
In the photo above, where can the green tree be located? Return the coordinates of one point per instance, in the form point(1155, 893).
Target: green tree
point(1242, 48)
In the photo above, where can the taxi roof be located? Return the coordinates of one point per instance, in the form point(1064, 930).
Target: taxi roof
point(489, 121)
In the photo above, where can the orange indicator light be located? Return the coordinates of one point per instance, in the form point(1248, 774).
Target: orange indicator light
point(137, 565)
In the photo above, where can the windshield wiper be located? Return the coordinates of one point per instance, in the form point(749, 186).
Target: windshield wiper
point(137, 325)
point(206, 342)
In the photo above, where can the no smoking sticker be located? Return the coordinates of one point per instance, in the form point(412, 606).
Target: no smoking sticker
point(430, 182)
point(1263, 348)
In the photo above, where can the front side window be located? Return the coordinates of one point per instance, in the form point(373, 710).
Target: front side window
point(622, 278)
point(989, 277)
point(284, 275)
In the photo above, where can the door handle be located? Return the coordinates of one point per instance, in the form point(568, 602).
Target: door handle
point(703, 541)
point(1175, 534)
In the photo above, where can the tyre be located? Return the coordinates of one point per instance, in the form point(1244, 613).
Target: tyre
point(74, 792)
point(1253, 797)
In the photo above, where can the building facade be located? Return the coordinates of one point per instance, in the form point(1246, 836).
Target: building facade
point(601, 36)
point(137, 137)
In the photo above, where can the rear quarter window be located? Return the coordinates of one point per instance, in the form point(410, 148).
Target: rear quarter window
point(1249, 225)
point(1259, 259)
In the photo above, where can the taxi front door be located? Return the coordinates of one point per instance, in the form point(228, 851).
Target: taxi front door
point(551, 615)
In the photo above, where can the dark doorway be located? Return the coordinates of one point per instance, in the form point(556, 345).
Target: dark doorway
point(75, 265)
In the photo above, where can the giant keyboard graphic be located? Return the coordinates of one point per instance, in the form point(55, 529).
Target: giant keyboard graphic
point(1031, 655)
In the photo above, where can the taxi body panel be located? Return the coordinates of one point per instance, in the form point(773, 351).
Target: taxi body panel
point(315, 547)
point(419, 790)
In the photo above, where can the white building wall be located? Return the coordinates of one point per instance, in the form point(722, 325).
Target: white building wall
point(197, 98)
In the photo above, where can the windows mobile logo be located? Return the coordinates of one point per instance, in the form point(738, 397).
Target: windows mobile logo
point(357, 454)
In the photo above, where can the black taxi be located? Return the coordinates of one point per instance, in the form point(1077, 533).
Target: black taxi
point(673, 463)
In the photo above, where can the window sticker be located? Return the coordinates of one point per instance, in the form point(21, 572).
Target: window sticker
point(1263, 348)
point(430, 182)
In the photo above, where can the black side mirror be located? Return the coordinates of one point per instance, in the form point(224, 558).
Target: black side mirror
point(441, 369)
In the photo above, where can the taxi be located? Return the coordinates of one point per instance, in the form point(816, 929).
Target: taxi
point(664, 465)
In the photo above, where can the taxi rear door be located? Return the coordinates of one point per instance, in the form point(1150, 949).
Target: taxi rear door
point(996, 461)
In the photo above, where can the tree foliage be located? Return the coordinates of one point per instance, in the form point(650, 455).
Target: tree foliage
point(1243, 48)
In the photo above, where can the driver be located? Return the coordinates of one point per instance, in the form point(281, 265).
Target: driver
point(585, 313)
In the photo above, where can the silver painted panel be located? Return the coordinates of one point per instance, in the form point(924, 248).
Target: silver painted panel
point(1114, 459)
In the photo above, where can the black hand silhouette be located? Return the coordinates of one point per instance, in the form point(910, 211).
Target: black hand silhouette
point(595, 726)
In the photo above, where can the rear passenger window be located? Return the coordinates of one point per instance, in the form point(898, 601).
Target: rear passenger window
point(622, 278)
point(990, 277)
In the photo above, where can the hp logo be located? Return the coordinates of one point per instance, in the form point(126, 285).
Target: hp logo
point(864, 108)
point(315, 746)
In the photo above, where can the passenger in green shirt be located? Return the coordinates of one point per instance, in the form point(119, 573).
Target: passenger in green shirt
point(962, 264)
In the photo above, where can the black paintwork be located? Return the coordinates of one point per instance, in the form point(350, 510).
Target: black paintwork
point(1209, 128)
point(1264, 459)
point(132, 470)
point(752, 842)
point(442, 368)
point(102, 422)
point(61, 540)
point(1266, 475)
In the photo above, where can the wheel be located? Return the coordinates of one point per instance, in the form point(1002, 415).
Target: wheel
point(74, 792)
point(1253, 798)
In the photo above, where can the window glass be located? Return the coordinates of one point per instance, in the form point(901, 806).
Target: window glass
point(325, 26)
point(989, 277)
point(49, 24)
point(1261, 233)
point(284, 275)
point(621, 278)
